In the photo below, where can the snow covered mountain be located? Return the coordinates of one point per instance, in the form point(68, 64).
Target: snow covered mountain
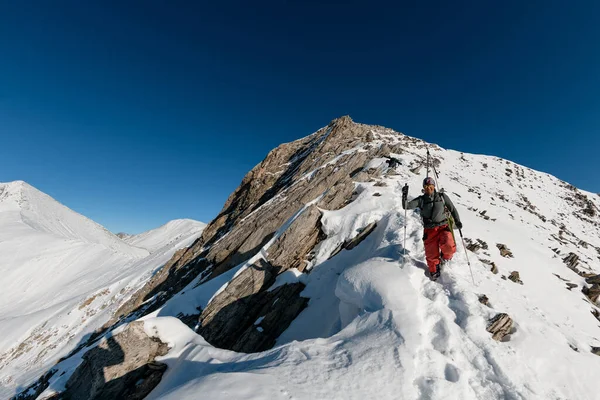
point(305, 275)
point(62, 275)
point(165, 235)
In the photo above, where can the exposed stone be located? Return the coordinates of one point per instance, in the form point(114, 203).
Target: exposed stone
point(596, 314)
point(121, 366)
point(338, 196)
point(380, 184)
point(227, 316)
point(504, 251)
point(352, 243)
point(572, 261)
point(573, 347)
point(500, 326)
point(593, 279)
point(592, 292)
point(596, 350)
point(561, 278)
point(270, 194)
point(290, 249)
point(377, 194)
point(494, 269)
point(34, 390)
point(280, 308)
point(483, 299)
point(514, 276)
point(571, 285)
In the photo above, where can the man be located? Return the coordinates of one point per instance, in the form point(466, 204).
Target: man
point(437, 235)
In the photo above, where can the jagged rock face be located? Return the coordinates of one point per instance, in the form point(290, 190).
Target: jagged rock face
point(228, 321)
point(121, 366)
point(291, 175)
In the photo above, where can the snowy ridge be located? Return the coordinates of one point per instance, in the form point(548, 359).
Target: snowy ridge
point(377, 327)
point(374, 328)
point(63, 276)
point(172, 231)
point(21, 202)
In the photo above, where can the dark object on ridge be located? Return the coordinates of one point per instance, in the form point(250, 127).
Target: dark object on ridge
point(393, 162)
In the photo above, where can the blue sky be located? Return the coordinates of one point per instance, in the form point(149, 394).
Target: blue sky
point(135, 114)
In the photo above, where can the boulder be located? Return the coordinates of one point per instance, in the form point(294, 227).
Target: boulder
point(504, 251)
point(500, 326)
point(483, 299)
point(514, 276)
point(120, 367)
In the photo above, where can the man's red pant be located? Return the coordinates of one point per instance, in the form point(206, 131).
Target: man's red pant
point(436, 239)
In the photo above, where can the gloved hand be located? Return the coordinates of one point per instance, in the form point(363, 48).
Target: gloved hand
point(404, 193)
point(458, 224)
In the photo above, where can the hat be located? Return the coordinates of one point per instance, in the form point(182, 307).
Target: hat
point(428, 181)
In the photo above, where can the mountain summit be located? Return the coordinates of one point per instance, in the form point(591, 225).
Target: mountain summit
point(305, 287)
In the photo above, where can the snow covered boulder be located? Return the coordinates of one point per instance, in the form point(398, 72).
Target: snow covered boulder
point(121, 366)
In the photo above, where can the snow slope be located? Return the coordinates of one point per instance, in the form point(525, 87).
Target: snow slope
point(62, 276)
point(172, 231)
point(377, 327)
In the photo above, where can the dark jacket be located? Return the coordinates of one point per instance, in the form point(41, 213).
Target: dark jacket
point(432, 209)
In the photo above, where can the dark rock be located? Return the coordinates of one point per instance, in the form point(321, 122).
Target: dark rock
point(280, 308)
point(571, 286)
point(596, 350)
point(230, 312)
point(596, 313)
point(352, 243)
point(514, 276)
point(338, 196)
point(483, 299)
point(504, 251)
point(592, 292)
point(593, 279)
point(572, 261)
point(120, 367)
point(33, 391)
point(494, 269)
point(500, 326)
point(290, 249)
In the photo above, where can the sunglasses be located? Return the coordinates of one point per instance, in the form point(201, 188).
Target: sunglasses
point(426, 186)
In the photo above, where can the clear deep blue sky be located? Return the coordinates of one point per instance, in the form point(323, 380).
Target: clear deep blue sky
point(135, 113)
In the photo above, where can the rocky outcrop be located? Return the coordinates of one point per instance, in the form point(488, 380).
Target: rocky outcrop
point(121, 366)
point(291, 176)
point(349, 244)
point(514, 276)
point(504, 251)
point(291, 248)
point(572, 261)
point(228, 321)
point(500, 326)
point(593, 279)
point(592, 292)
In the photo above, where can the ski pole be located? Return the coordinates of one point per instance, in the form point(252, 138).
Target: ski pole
point(405, 222)
point(467, 255)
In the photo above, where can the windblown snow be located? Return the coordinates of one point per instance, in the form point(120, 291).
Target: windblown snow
point(63, 275)
point(377, 327)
